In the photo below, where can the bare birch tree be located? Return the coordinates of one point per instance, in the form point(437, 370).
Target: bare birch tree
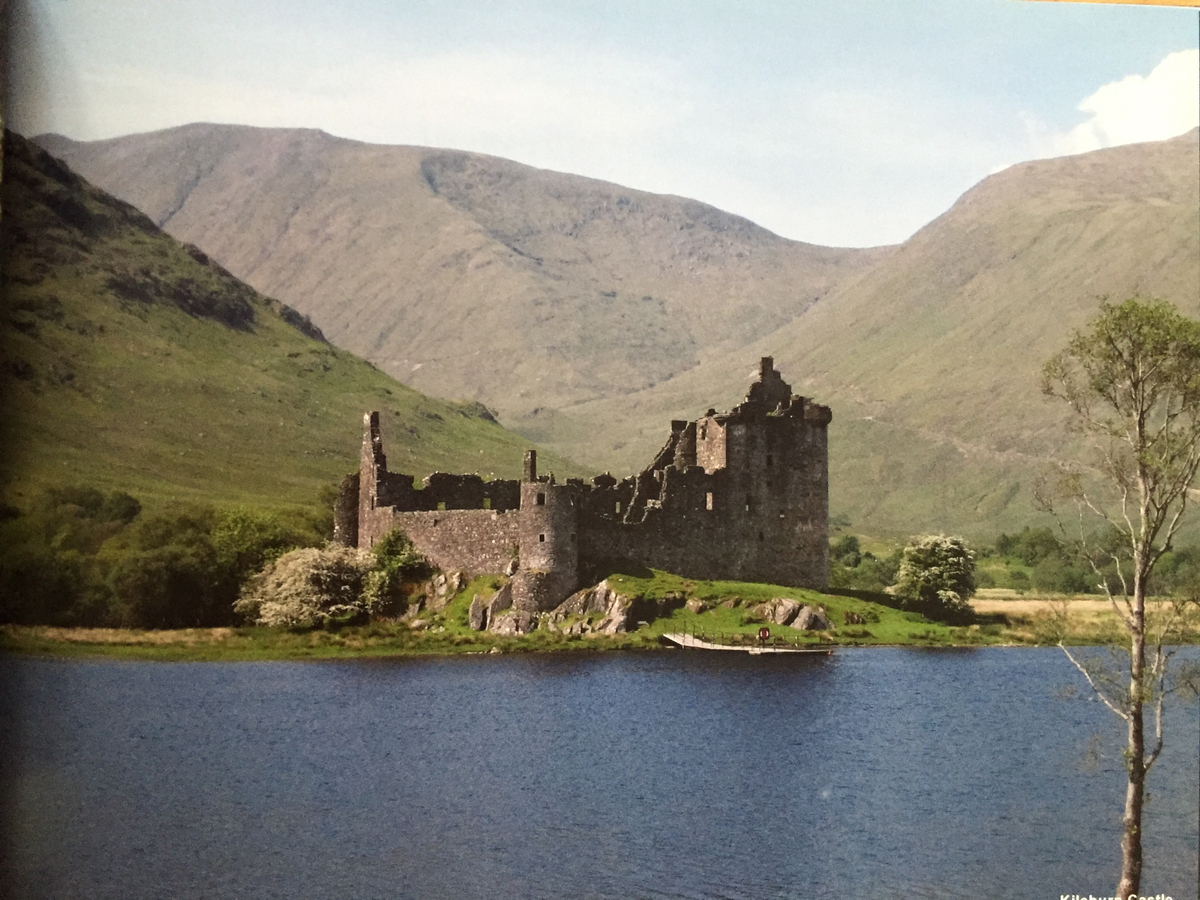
point(1132, 380)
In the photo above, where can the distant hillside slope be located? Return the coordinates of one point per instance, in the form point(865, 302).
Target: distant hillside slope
point(931, 361)
point(129, 361)
point(465, 275)
point(477, 277)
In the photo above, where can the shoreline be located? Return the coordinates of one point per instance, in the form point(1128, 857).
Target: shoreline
point(264, 645)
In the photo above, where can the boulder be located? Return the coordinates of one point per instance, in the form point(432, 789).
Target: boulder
point(444, 587)
point(513, 622)
point(477, 614)
point(613, 608)
point(501, 600)
point(853, 618)
point(596, 599)
point(511, 569)
point(616, 617)
point(812, 619)
point(697, 606)
point(780, 610)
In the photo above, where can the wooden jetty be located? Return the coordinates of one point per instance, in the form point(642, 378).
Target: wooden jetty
point(693, 642)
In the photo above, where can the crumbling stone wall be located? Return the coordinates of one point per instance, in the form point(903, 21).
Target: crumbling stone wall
point(742, 495)
point(468, 540)
point(379, 496)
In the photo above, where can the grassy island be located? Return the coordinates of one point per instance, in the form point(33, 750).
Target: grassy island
point(999, 617)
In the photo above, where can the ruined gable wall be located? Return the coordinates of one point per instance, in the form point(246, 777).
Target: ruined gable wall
point(710, 442)
point(345, 512)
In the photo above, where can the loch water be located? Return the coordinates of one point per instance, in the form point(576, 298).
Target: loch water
point(868, 773)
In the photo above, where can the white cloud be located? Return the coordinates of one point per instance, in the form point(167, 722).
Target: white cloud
point(1137, 108)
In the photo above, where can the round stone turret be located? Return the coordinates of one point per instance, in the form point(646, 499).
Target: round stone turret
point(549, 545)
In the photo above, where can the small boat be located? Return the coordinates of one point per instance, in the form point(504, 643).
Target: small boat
point(692, 642)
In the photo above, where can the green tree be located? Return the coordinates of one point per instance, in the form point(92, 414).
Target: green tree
point(397, 563)
point(937, 573)
point(1131, 378)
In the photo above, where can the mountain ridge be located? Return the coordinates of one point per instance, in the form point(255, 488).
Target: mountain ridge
point(928, 352)
point(331, 222)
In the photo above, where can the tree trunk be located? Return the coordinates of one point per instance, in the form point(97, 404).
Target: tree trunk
point(1135, 751)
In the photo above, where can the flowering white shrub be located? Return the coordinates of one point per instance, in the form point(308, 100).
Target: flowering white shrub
point(937, 571)
point(304, 588)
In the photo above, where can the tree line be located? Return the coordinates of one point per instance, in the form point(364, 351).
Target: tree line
point(79, 557)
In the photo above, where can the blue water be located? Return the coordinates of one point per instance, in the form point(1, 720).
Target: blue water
point(881, 772)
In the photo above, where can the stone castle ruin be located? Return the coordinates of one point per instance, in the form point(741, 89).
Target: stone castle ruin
point(741, 495)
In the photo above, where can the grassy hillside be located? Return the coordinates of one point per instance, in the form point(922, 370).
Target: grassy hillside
point(590, 316)
point(465, 275)
point(931, 360)
point(129, 361)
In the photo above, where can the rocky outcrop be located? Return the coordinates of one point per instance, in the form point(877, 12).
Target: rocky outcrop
point(812, 619)
point(443, 588)
point(477, 614)
point(513, 622)
point(614, 611)
point(501, 601)
point(780, 610)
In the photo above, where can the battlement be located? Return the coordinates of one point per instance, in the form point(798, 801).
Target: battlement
point(741, 495)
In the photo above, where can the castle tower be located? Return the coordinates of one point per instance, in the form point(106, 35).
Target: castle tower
point(549, 542)
point(372, 462)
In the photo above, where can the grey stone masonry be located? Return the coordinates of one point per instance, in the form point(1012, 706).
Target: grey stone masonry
point(740, 495)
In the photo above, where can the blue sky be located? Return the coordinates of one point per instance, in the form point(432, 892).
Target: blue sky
point(846, 123)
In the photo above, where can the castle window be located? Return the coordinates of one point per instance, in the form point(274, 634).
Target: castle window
point(769, 461)
point(572, 538)
point(441, 504)
point(618, 506)
point(435, 521)
point(541, 539)
point(747, 503)
point(487, 502)
point(760, 536)
point(708, 501)
point(541, 499)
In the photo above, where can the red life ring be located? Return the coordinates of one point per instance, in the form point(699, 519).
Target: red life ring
point(764, 633)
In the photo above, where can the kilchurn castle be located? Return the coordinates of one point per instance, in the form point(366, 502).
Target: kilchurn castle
point(741, 495)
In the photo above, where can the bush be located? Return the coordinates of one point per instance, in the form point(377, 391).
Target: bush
point(307, 588)
point(937, 573)
point(1057, 575)
point(397, 562)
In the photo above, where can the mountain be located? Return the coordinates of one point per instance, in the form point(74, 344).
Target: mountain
point(527, 289)
point(931, 361)
point(131, 361)
point(465, 275)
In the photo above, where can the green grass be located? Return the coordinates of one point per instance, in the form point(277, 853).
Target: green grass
point(129, 363)
point(446, 632)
